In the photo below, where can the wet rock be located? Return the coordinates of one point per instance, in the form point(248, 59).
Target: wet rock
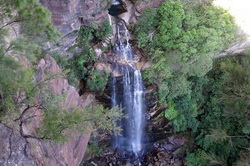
point(168, 147)
point(153, 156)
point(117, 9)
point(177, 162)
point(177, 140)
point(128, 16)
point(103, 67)
point(156, 145)
point(164, 163)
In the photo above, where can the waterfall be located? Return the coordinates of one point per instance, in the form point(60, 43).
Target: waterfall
point(127, 93)
point(115, 2)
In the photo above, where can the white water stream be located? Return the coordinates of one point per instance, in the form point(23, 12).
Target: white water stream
point(127, 93)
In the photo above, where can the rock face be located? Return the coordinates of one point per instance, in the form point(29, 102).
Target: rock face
point(68, 15)
point(13, 149)
point(16, 150)
point(135, 8)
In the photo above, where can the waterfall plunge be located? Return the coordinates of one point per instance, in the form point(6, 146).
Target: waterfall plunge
point(129, 95)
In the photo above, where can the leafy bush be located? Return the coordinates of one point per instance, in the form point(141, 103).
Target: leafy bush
point(196, 159)
point(171, 113)
point(103, 32)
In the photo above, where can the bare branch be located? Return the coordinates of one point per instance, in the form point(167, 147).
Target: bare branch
point(26, 109)
point(8, 49)
point(9, 23)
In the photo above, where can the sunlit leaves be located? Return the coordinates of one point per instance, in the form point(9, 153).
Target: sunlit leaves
point(171, 113)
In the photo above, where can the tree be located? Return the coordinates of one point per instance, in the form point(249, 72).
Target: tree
point(223, 132)
point(186, 36)
point(31, 16)
point(18, 89)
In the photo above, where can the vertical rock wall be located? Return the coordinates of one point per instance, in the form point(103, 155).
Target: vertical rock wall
point(67, 15)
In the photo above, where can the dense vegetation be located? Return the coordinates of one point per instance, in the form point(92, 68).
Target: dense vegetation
point(181, 39)
point(207, 99)
point(24, 28)
point(222, 97)
point(81, 65)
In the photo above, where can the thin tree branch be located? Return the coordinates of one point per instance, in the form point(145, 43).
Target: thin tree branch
point(8, 49)
point(9, 23)
point(25, 110)
point(41, 82)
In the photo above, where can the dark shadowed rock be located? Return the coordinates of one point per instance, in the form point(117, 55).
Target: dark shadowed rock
point(177, 140)
point(169, 147)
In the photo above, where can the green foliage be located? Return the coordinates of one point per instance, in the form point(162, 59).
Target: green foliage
point(15, 82)
point(95, 149)
point(145, 28)
point(103, 32)
point(196, 159)
point(56, 121)
point(80, 66)
point(97, 79)
point(34, 27)
point(244, 158)
point(181, 39)
point(61, 60)
point(171, 113)
point(33, 18)
point(224, 108)
point(169, 28)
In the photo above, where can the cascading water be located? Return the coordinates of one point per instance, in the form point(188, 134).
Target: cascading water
point(127, 93)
